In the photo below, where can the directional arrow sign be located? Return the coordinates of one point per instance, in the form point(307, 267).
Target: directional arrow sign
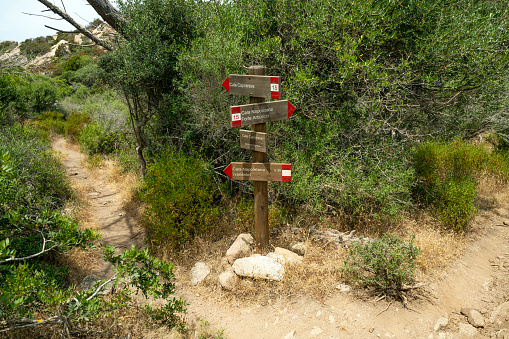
point(259, 113)
point(255, 141)
point(253, 85)
point(258, 171)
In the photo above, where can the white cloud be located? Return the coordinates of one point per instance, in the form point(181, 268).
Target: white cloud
point(14, 25)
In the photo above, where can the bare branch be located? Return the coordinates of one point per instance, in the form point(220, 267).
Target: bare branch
point(44, 16)
point(80, 28)
point(59, 30)
point(43, 250)
point(102, 285)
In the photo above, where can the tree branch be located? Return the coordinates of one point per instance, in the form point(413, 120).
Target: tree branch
point(43, 250)
point(80, 28)
point(102, 285)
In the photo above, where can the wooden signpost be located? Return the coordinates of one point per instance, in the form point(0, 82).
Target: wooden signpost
point(254, 141)
point(259, 171)
point(260, 113)
point(252, 85)
point(258, 87)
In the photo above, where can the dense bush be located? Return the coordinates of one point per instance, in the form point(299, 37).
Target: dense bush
point(447, 177)
point(94, 139)
point(73, 64)
point(369, 79)
point(180, 197)
point(384, 264)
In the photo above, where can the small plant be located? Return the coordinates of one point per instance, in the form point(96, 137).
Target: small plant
point(383, 264)
point(180, 195)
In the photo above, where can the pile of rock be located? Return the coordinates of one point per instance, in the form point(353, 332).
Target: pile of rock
point(241, 262)
point(332, 236)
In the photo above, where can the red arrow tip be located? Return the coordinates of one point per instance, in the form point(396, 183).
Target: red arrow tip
point(291, 109)
point(228, 171)
point(226, 84)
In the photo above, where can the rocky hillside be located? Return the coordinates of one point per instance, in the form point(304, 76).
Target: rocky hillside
point(41, 54)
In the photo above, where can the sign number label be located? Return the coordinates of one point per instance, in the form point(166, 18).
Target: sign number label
point(274, 87)
point(235, 116)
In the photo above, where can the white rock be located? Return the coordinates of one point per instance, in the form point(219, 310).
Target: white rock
point(315, 331)
point(287, 257)
point(290, 335)
point(467, 330)
point(240, 248)
point(261, 267)
point(199, 272)
point(299, 248)
point(441, 324)
point(228, 280)
point(343, 288)
point(475, 318)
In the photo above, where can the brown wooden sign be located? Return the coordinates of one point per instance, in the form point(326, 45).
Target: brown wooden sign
point(259, 171)
point(255, 141)
point(253, 85)
point(260, 113)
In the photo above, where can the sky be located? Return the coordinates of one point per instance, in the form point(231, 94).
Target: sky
point(14, 25)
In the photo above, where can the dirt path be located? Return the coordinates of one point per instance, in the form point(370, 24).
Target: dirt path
point(478, 280)
point(105, 204)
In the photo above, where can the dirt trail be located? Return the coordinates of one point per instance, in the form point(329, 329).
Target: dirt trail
point(105, 201)
point(479, 279)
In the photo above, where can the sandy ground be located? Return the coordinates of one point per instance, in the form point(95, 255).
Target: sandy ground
point(477, 280)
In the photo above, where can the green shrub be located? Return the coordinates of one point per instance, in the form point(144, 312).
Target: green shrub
point(44, 95)
point(73, 64)
point(75, 123)
point(51, 121)
point(383, 264)
point(447, 176)
point(95, 139)
point(178, 191)
point(32, 48)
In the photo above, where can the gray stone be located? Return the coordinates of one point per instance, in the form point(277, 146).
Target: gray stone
point(88, 282)
point(298, 248)
point(228, 280)
point(467, 330)
point(441, 324)
point(199, 272)
point(240, 248)
point(260, 267)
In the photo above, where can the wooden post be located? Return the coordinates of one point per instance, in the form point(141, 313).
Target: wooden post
point(261, 194)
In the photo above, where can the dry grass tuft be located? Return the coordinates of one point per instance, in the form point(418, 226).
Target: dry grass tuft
point(439, 247)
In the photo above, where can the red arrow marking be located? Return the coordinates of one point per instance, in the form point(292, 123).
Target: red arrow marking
point(291, 109)
point(228, 171)
point(226, 84)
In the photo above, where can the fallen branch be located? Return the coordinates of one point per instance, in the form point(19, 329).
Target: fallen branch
point(24, 322)
point(405, 287)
